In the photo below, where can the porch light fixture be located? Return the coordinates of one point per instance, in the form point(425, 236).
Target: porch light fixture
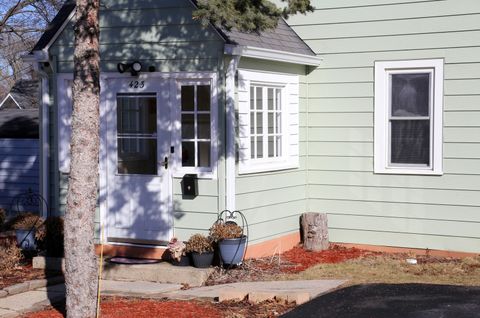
point(134, 67)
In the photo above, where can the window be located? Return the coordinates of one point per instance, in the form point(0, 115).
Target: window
point(265, 122)
point(196, 121)
point(408, 117)
point(268, 121)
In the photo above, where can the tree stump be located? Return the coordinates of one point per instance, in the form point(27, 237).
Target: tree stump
point(315, 231)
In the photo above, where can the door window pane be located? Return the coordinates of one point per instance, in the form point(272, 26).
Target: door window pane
point(188, 154)
point(203, 126)
point(136, 134)
point(188, 124)
point(137, 156)
point(410, 95)
point(410, 142)
point(188, 98)
point(203, 97)
point(204, 154)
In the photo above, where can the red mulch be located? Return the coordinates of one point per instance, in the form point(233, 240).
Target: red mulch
point(147, 308)
point(302, 259)
point(21, 274)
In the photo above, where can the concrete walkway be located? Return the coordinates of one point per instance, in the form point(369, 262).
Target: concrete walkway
point(300, 291)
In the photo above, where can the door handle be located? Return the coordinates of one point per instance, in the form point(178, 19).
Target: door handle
point(164, 163)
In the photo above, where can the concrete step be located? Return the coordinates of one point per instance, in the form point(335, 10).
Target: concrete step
point(159, 273)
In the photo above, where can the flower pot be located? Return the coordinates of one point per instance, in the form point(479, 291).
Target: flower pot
point(184, 261)
point(232, 250)
point(203, 260)
point(26, 239)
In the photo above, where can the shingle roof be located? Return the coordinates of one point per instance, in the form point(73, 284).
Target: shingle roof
point(282, 38)
point(26, 93)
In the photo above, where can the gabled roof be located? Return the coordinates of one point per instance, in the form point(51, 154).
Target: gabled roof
point(282, 38)
point(25, 94)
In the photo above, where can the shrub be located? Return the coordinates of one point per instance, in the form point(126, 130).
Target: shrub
point(199, 243)
point(10, 256)
point(228, 230)
point(25, 221)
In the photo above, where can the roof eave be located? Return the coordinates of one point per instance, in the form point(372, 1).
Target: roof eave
point(272, 55)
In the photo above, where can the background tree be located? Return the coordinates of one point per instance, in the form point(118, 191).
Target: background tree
point(81, 266)
point(21, 24)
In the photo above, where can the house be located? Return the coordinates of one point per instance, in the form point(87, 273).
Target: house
point(23, 95)
point(366, 110)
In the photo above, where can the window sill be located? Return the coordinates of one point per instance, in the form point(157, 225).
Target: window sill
point(409, 171)
point(258, 167)
point(202, 174)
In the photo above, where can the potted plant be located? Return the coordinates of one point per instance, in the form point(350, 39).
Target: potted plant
point(178, 255)
point(25, 226)
point(231, 241)
point(201, 249)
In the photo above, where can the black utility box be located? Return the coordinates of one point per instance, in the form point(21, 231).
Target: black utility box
point(190, 184)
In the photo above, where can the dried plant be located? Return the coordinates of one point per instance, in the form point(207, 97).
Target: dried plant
point(176, 249)
point(10, 257)
point(25, 221)
point(199, 243)
point(229, 230)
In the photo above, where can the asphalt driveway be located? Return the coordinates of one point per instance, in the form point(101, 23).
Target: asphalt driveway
point(392, 301)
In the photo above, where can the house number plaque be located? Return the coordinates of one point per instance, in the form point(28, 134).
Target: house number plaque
point(137, 84)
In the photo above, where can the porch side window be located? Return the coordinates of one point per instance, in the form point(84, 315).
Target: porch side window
point(268, 121)
point(196, 137)
point(408, 111)
point(265, 122)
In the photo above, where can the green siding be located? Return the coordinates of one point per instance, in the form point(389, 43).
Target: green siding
point(272, 202)
point(160, 34)
point(436, 212)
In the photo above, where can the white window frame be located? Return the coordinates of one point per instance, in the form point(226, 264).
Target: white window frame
point(202, 172)
point(289, 85)
point(382, 140)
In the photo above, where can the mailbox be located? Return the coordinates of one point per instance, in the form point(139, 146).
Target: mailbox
point(190, 184)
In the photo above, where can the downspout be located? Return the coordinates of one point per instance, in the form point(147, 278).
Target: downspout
point(230, 134)
point(36, 58)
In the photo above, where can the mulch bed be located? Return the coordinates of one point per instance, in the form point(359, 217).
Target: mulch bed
point(118, 307)
point(292, 261)
point(22, 274)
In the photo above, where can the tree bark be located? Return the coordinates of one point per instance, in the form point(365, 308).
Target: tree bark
point(314, 231)
point(81, 276)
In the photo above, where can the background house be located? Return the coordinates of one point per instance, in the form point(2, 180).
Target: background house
point(335, 150)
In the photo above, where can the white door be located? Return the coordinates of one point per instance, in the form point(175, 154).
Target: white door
point(138, 150)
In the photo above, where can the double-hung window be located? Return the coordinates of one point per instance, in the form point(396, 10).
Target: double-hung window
point(268, 121)
point(408, 117)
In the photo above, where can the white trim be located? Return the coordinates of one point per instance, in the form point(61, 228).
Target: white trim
point(196, 79)
point(11, 96)
point(290, 129)
point(45, 145)
point(230, 133)
point(60, 30)
point(272, 55)
point(381, 123)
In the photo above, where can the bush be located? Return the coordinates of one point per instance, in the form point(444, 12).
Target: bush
point(199, 243)
point(24, 221)
point(10, 257)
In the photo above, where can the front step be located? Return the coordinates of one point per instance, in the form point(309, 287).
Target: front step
point(159, 273)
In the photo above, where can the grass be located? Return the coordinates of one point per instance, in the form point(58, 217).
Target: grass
point(394, 269)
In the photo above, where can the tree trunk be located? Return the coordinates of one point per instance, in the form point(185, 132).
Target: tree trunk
point(81, 276)
point(314, 231)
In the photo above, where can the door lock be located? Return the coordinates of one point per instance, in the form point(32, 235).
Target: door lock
point(164, 163)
